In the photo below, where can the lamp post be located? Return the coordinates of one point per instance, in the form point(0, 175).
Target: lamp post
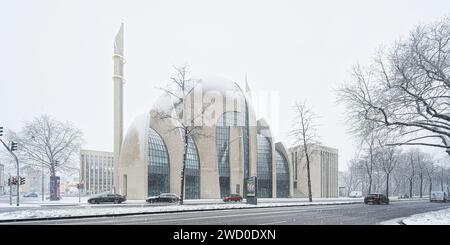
point(11, 150)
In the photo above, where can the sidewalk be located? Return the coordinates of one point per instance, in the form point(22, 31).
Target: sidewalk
point(441, 217)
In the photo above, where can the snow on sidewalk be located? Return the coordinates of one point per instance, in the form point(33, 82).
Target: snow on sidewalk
point(441, 217)
point(98, 211)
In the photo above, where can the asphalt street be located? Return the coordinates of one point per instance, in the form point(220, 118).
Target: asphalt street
point(349, 214)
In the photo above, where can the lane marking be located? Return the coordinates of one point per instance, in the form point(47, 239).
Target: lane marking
point(272, 223)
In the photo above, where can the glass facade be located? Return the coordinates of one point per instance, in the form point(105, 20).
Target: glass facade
point(264, 166)
point(282, 175)
point(192, 173)
point(227, 120)
point(159, 165)
point(246, 151)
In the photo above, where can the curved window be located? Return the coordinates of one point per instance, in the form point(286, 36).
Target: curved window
point(192, 173)
point(227, 120)
point(264, 166)
point(158, 166)
point(282, 175)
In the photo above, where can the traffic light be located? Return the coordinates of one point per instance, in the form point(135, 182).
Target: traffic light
point(1, 131)
point(22, 180)
point(13, 146)
point(14, 180)
point(9, 181)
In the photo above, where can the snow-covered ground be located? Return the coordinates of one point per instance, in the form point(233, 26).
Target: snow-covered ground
point(441, 217)
point(74, 201)
point(109, 210)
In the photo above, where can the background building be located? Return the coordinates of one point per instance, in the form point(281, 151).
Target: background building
point(33, 180)
point(96, 171)
point(323, 168)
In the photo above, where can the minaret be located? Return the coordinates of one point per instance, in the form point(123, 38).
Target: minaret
point(118, 80)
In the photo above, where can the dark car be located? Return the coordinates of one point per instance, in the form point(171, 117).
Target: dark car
point(31, 194)
point(376, 198)
point(232, 198)
point(164, 197)
point(107, 198)
point(404, 196)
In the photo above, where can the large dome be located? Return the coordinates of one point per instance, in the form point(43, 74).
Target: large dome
point(219, 84)
point(221, 154)
point(222, 92)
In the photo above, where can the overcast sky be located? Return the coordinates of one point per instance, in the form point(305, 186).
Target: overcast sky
point(57, 55)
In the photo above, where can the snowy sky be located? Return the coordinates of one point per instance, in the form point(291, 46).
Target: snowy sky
point(57, 55)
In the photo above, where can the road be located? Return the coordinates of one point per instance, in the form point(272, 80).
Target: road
point(351, 214)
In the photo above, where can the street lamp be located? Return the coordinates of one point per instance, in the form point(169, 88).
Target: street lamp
point(11, 150)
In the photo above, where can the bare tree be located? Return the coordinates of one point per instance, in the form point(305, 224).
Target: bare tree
point(430, 170)
point(441, 176)
point(179, 89)
point(406, 90)
point(369, 159)
point(355, 176)
point(388, 161)
point(46, 142)
point(304, 132)
point(410, 169)
point(421, 170)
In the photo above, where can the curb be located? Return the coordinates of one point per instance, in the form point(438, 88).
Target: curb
point(160, 212)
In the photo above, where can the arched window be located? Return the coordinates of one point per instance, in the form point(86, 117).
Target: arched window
point(282, 175)
point(192, 173)
point(158, 166)
point(264, 166)
point(227, 120)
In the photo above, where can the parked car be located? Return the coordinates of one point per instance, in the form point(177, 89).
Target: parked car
point(404, 196)
point(164, 197)
point(31, 194)
point(107, 198)
point(439, 196)
point(232, 198)
point(376, 198)
point(355, 194)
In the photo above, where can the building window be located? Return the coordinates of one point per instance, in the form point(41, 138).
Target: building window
point(158, 166)
point(192, 173)
point(264, 166)
point(282, 175)
point(227, 120)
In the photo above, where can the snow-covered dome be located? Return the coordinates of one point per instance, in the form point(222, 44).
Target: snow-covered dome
point(219, 84)
point(210, 89)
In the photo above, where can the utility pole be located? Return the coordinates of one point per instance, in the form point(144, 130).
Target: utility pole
point(13, 148)
point(10, 150)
